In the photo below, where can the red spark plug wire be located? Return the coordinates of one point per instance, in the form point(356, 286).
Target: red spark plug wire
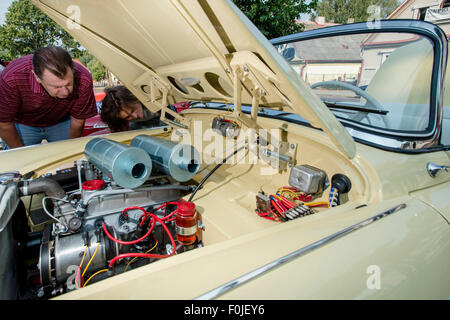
point(128, 242)
point(148, 255)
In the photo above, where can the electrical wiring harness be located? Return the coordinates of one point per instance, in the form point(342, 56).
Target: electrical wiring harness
point(286, 204)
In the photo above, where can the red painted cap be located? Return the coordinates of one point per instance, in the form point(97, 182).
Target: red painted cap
point(93, 185)
point(186, 209)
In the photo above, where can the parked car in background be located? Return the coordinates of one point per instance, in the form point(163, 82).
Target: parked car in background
point(276, 183)
point(94, 125)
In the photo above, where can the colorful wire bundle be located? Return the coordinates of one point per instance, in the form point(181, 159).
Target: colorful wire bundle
point(293, 194)
point(285, 199)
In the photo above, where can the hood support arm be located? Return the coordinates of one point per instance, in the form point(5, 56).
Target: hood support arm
point(267, 142)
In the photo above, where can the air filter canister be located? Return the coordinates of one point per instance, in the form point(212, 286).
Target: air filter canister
point(128, 166)
point(180, 161)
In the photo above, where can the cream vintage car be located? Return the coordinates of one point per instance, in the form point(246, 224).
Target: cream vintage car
point(314, 166)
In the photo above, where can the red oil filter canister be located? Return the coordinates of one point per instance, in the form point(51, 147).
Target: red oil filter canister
point(91, 186)
point(186, 223)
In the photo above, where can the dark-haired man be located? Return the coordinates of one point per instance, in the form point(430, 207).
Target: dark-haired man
point(44, 96)
point(122, 111)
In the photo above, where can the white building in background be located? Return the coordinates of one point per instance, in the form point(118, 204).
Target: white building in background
point(356, 60)
point(378, 47)
point(434, 11)
point(319, 22)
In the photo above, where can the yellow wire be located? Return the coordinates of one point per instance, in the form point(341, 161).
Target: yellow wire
point(84, 255)
point(138, 257)
point(282, 191)
point(234, 122)
point(100, 271)
point(90, 261)
point(315, 203)
point(228, 107)
point(82, 260)
point(277, 196)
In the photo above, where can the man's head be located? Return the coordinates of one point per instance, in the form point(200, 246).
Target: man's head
point(53, 69)
point(120, 106)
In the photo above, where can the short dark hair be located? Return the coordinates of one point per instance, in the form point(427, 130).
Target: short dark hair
point(116, 98)
point(54, 59)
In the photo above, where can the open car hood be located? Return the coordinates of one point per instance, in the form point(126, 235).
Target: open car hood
point(177, 50)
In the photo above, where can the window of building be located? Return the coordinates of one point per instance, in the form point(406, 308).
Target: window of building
point(422, 13)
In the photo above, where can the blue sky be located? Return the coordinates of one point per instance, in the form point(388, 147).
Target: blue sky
point(4, 4)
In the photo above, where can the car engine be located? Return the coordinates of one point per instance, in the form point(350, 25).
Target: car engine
point(119, 209)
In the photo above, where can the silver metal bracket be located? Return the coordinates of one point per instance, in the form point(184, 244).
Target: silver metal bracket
point(281, 156)
point(158, 92)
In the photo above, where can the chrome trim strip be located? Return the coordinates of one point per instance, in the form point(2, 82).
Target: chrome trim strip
point(300, 252)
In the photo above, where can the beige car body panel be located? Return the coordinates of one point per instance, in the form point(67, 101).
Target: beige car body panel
point(409, 248)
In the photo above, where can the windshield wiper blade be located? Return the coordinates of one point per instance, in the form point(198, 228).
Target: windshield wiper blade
point(336, 105)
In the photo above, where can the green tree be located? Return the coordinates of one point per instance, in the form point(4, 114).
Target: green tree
point(97, 69)
point(340, 11)
point(27, 28)
point(276, 18)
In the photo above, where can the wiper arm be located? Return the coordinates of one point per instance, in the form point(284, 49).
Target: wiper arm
point(337, 105)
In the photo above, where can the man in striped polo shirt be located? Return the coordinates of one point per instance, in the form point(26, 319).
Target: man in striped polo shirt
point(44, 96)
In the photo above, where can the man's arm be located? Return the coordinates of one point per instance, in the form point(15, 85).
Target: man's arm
point(10, 135)
point(76, 127)
point(85, 106)
point(10, 101)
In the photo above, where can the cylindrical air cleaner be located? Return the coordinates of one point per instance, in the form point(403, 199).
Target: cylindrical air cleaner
point(128, 166)
point(181, 161)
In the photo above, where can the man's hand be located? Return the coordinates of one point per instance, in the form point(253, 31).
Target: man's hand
point(76, 127)
point(9, 135)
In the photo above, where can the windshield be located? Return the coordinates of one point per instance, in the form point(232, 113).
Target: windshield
point(380, 81)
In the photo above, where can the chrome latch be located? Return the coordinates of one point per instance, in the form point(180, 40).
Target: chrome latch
point(434, 168)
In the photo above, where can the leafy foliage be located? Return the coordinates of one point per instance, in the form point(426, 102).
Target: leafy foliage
point(27, 28)
point(97, 69)
point(340, 11)
point(276, 18)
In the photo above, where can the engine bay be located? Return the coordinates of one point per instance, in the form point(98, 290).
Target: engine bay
point(128, 205)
